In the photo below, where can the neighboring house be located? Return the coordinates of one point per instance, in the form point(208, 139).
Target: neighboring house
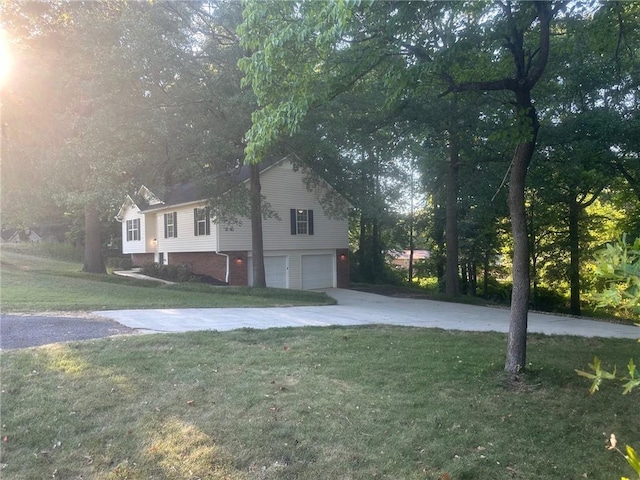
point(304, 248)
point(20, 236)
point(400, 258)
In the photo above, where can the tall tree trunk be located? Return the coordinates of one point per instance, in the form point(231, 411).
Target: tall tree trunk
point(574, 248)
point(377, 252)
point(411, 233)
point(473, 279)
point(452, 278)
point(533, 247)
point(438, 236)
point(528, 70)
point(257, 244)
point(411, 248)
point(575, 209)
point(517, 338)
point(485, 274)
point(362, 246)
point(93, 261)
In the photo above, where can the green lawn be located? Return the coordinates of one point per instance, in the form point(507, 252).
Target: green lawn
point(35, 284)
point(305, 403)
point(311, 403)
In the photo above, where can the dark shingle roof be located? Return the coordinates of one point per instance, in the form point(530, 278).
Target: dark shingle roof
point(184, 193)
point(194, 191)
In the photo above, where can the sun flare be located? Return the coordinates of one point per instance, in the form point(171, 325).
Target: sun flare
point(5, 57)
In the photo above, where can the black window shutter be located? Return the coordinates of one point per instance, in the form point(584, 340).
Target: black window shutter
point(165, 226)
point(195, 222)
point(175, 224)
point(294, 223)
point(207, 217)
point(310, 218)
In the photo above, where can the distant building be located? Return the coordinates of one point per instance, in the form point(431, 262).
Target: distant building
point(11, 235)
point(400, 258)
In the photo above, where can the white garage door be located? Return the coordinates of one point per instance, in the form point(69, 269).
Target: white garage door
point(317, 271)
point(275, 270)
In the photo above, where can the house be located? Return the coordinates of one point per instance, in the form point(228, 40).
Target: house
point(304, 246)
point(20, 236)
point(400, 258)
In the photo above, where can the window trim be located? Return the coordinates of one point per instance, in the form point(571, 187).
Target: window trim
point(296, 223)
point(171, 225)
point(201, 217)
point(133, 230)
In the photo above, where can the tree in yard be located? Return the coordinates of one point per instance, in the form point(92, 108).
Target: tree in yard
point(73, 79)
point(307, 70)
point(55, 96)
point(614, 39)
point(121, 94)
point(585, 130)
point(514, 24)
point(304, 53)
point(572, 173)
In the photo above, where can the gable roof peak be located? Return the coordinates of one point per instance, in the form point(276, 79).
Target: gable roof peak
point(149, 197)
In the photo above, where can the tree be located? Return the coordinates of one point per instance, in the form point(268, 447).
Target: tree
point(327, 35)
point(529, 64)
point(150, 90)
point(66, 111)
point(91, 109)
point(259, 276)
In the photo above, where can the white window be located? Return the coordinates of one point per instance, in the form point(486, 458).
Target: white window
point(301, 222)
point(201, 222)
point(170, 225)
point(133, 230)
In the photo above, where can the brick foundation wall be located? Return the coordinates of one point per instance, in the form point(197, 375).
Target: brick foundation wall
point(213, 264)
point(238, 268)
point(342, 267)
point(139, 259)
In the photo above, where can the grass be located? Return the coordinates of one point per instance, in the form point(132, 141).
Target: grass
point(32, 283)
point(321, 403)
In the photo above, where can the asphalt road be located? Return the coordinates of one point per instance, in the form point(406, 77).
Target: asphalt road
point(20, 331)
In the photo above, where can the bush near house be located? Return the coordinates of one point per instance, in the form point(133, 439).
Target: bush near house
point(119, 263)
point(172, 273)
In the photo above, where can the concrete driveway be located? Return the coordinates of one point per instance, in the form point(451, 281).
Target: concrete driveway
point(358, 308)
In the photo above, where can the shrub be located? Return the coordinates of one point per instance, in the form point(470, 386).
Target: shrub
point(549, 300)
point(172, 273)
point(119, 263)
point(430, 284)
point(495, 291)
point(618, 267)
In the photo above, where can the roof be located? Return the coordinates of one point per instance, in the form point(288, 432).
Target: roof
point(184, 193)
point(195, 191)
point(146, 200)
point(12, 235)
point(404, 254)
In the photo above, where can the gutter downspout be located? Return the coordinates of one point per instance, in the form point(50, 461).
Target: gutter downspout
point(218, 252)
point(226, 278)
